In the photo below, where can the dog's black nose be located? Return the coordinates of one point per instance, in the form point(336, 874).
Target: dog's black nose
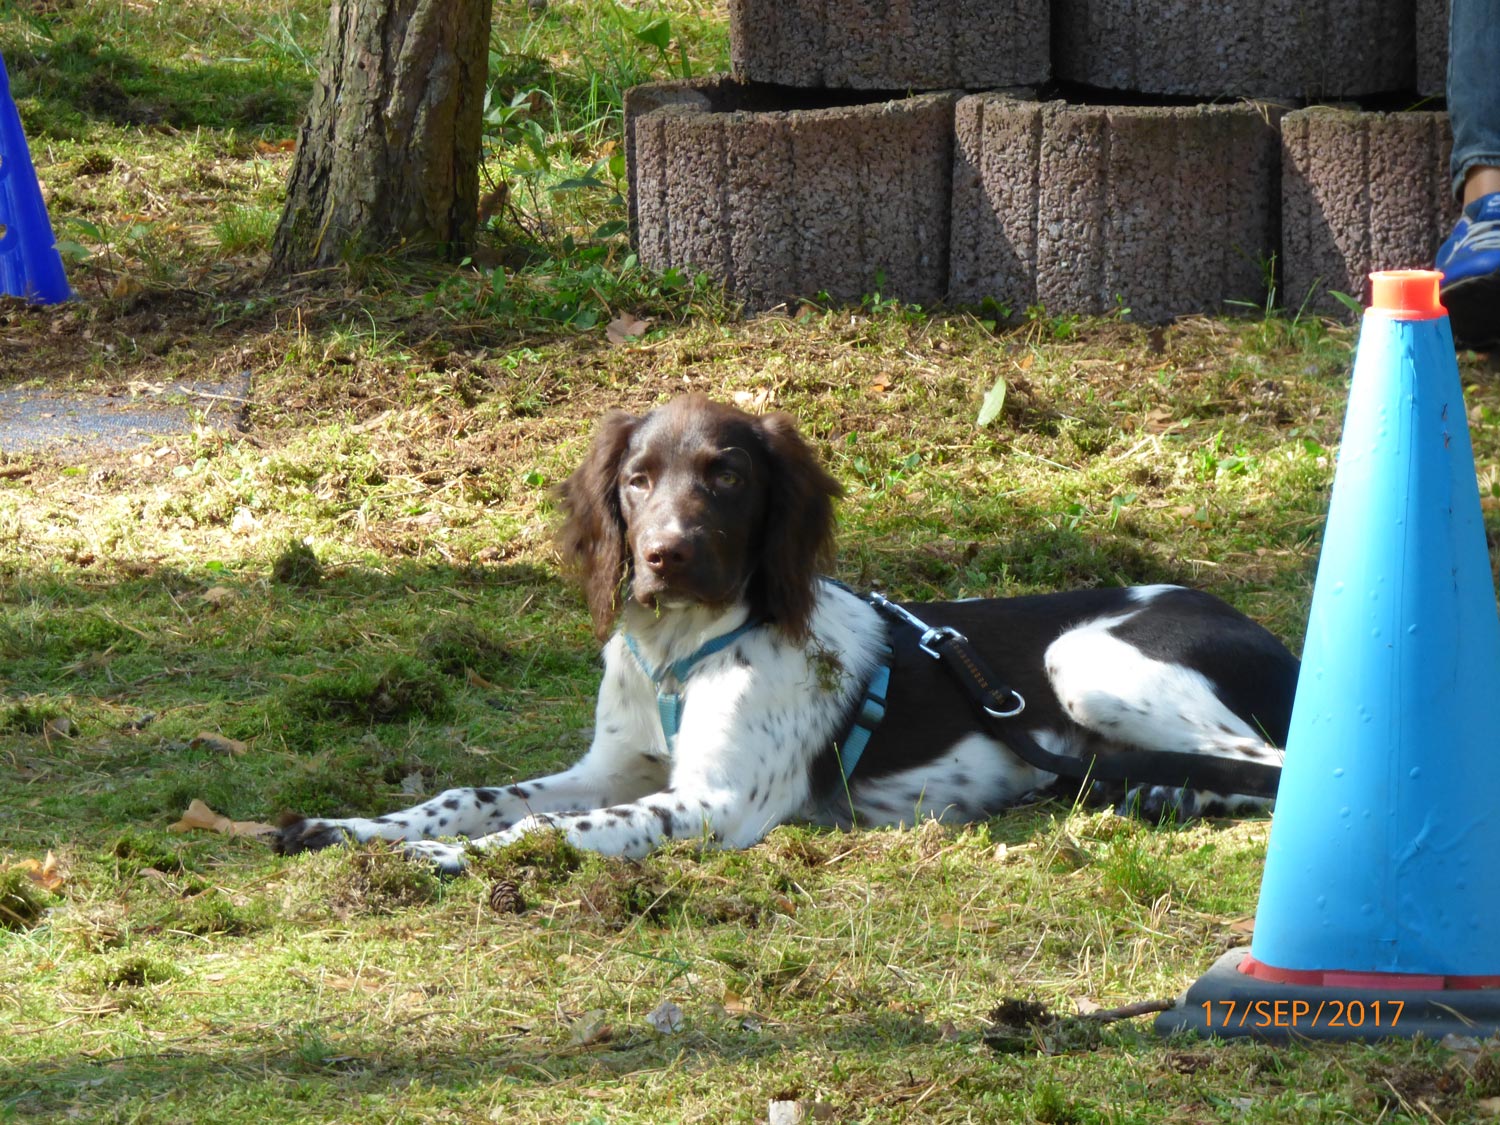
point(667, 555)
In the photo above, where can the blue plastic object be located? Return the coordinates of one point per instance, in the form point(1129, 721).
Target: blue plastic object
point(1382, 857)
point(30, 266)
point(1380, 902)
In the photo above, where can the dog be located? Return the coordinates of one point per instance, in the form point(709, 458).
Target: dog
point(733, 671)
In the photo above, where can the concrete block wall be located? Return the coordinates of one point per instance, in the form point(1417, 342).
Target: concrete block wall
point(1083, 209)
point(786, 202)
point(1432, 47)
point(815, 178)
point(1360, 192)
point(1304, 49)
point(1273, 49)
point(1164, 210)
point(893, 45)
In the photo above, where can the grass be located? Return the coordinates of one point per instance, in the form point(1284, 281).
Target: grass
point(353, 600)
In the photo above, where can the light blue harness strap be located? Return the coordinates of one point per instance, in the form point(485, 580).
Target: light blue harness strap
point(669, 703)
point(871, 711)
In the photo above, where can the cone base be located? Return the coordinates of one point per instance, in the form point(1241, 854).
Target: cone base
point(1227, 1003)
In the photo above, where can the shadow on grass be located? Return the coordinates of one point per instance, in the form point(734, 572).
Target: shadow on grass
point(79, 79)
point(330, 1067)
point(332, 692)
point(325, 1067)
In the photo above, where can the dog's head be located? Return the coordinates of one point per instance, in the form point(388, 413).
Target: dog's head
point(698, 503)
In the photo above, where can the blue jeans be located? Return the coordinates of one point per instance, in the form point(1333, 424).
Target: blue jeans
point(1474, 85)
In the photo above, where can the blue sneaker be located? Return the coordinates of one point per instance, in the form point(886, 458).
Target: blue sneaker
point(1470, 261)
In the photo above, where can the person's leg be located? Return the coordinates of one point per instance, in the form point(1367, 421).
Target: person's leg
point(1470, 259)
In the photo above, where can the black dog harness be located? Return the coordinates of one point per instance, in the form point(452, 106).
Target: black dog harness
point(999, 704)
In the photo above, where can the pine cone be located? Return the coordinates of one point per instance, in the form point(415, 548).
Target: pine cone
point(505, 897)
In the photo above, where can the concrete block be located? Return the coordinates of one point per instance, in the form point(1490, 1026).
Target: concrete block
point(1082, 209)
point(782, 196)
point(891, 44)
point(1360, 192)
point(1432, 47)
point(1277, 49)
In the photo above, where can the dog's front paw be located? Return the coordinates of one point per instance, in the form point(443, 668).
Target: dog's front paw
point(298, 834)
point(449, 859)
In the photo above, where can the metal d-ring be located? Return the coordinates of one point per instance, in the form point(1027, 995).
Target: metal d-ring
point(1009, 713)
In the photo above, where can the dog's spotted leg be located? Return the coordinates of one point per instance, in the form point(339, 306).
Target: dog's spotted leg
point(481, 812)
point(631, 830)
point(1170, 804)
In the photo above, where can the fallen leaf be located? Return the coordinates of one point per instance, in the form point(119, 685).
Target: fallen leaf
point(994, 402)
point(217, 595)
point(208, 740)
point(492, 203)
point(200, 816)
point(47, 873)
point(244, 522)
point(666, 1017)
point(590, 1028)
point(735, 1004)
point(756, 401)
point(1159, 421)
point(413, 784)
point(788, 1112)
point(1489, 1105)
point(625, 328)
point(475, 680)
point(60, 727)
point(1086, 1006)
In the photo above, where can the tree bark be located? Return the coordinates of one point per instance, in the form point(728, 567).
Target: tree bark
point(388, 157)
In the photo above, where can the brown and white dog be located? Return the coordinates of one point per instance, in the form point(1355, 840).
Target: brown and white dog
point(732, 670)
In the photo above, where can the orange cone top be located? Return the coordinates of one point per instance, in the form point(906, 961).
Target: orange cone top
point(1407, 294)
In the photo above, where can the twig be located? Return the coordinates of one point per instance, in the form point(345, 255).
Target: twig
point(1130, 1011)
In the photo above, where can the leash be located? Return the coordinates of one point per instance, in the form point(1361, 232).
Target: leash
point(999, 704)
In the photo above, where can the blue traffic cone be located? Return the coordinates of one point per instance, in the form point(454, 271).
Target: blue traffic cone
point(30, 266)
point(1379, 906)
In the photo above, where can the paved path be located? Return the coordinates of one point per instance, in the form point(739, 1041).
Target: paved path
point(36, 419)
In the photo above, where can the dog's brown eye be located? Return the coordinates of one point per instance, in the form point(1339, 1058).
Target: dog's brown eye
point(638, 482)
point(727, 478)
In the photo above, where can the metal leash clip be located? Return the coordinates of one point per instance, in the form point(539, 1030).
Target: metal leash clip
point(932, 636)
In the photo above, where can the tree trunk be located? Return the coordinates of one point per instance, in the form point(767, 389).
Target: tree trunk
point(388, 157)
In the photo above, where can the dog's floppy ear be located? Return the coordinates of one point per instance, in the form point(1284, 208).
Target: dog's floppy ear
point(592, 537)
point(798, 542)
